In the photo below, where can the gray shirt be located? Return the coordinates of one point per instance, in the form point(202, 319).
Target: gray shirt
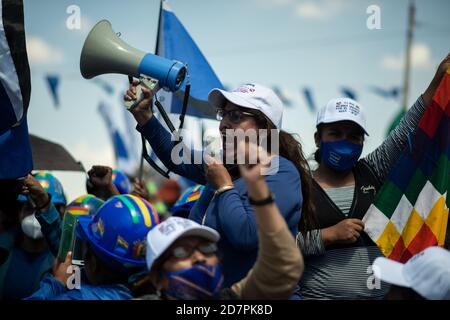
point(346, 273)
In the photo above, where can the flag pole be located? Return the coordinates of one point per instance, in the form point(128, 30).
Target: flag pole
point(141, 165)
point(159, 26)
point(409, 39)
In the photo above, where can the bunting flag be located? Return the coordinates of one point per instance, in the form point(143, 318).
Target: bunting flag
point(109, 89)
point(124, 161)
point(53, 82)
point(392, 93)
point(175, 43)
point(286, 101)
point(15, 151)
point(349, 93)
point(410, 213)
point(309, 100)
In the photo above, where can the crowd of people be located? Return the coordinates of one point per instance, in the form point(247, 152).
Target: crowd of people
point(241, 231)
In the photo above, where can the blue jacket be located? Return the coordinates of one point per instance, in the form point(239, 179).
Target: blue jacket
point(51, 227)
point(52, 289)
point(22, 271)
point(231, 213)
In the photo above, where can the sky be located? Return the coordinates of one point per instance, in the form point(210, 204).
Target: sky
point(323, 45)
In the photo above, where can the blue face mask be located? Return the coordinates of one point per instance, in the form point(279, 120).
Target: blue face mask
point(340, 155)
point(201, 282)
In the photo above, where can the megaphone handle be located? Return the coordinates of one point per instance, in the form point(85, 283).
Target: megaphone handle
point(147, 82)
point(130, 105)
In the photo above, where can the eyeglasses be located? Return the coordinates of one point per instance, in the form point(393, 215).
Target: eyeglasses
point(183, 252)
point(235, 115)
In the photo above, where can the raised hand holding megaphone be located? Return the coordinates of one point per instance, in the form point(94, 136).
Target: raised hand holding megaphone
point(140, 108)
point(104, 52)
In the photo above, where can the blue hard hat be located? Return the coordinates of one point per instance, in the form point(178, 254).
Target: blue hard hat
point(187, 199)
point(117, 233)
point(121, 181)
point(51, 185)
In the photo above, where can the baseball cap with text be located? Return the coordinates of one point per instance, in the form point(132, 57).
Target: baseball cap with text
point(161, 237)
point(251, 96)
point(342, 109)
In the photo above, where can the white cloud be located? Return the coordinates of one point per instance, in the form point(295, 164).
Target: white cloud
point(421, 58)
point(319, 9)
point(40, 52)
point(91, 155)
point(310, 10)
point(273, 3)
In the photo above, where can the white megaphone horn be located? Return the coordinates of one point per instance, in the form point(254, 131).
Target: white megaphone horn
point(104, 52)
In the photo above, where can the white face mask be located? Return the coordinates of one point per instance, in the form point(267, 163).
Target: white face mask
point(31, 227)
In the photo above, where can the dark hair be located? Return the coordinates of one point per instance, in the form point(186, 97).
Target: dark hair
point(317, 152)
point(291, 149)
point(103, 273)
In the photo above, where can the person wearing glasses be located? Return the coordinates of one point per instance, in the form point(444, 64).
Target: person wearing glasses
point(224, 204)
point(184, 262)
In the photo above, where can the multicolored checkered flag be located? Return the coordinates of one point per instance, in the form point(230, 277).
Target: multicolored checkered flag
point(410, 213)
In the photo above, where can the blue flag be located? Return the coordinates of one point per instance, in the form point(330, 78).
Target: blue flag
point(309, 99)
point(53, 82)
point(349, 93)
point(15, 151)
point(104, 85)
point(390, 93)
point(286, 101)
point(175, 43)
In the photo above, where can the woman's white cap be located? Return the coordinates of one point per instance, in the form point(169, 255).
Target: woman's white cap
point(251, 96)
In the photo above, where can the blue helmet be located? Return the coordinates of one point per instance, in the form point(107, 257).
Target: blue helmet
point(121, 181)
point(187, 200)
point(51, 185)
point(117, 233)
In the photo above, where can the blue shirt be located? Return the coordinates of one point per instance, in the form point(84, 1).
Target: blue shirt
point(52, 289)
point(25, 271)
point(230, 213)
point(22, 271)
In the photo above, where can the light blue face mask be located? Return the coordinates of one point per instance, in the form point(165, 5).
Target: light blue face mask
point(340, 155)
point(201, 282)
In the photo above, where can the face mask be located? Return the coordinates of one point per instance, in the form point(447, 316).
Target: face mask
point(340, 155)
point(31, 227)
point(201, 282)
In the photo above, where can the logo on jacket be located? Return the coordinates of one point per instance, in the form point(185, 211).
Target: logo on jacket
point(367, 189)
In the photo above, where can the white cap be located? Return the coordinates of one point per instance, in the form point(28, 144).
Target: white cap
point(167, 232)
point(251, 96)
point(342, 109)
point(427, 273)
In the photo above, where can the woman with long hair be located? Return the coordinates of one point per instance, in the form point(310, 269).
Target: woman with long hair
point(224, 204)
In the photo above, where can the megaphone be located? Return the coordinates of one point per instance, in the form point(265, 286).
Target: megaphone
point(104, 52)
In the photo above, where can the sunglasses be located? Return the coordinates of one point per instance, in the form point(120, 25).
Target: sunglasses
point(235, 115)
point(183, 252)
